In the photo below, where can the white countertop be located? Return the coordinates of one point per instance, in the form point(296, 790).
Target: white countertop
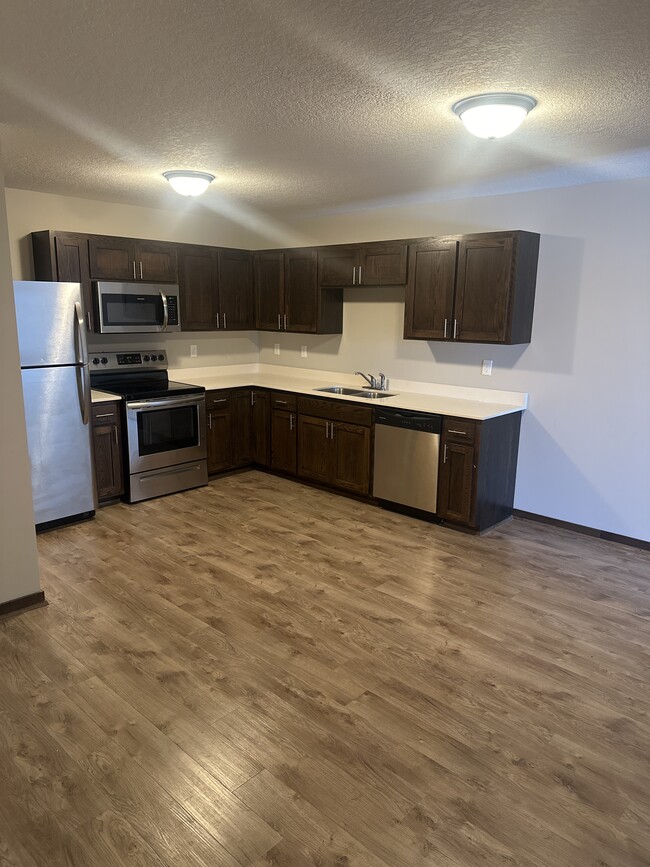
point(102, 396)
point(463, 402)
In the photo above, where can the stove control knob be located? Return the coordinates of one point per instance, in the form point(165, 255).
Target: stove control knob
point(95, 360)
point(104, 360)
point(145, 358)
point(161, 358)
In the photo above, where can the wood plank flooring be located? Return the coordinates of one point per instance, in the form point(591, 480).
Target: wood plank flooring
point(261, 673)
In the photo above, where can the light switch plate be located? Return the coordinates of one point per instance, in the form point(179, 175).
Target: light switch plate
point(303, 352)
point(194, 350)
point(276, 349)
point(486, 368)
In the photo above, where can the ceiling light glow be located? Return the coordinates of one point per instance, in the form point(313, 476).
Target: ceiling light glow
point(493, 115)
point(189, 183)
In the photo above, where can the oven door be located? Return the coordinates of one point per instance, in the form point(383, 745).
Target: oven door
point(164, 432)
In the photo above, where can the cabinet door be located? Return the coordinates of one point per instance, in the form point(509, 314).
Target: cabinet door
point(351, 461)
point(261, 427)
point(156, 262)
point(197, 277)
point(337, 266)
point(301, 290)
point(236, 298)
point(456, 483)
point(428, 312)
point(483, 289)
point(242, 427)
point(284, 441)
point(219, 431)
point(269, 290)
point(314, 449)
point(107, 451)
point(382, 264)
point(73, 266)
point(112, 258)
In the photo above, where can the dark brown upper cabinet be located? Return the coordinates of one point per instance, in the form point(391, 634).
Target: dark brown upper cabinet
point(381, 263)
point(429, 309)
point(289, 297)
point(236, 294)
point(197, 279)
point(493, 292)
point(132, 259)
point(64, 256)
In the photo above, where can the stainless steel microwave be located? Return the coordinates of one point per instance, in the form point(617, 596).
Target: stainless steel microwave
point(136, 308)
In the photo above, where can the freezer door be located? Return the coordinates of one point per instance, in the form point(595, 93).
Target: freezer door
point(47, 322)
point(59, 442)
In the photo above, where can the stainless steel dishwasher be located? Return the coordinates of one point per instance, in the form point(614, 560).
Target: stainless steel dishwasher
point(407, 446)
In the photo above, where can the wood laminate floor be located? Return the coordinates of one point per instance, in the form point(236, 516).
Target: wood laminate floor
point(260, 673)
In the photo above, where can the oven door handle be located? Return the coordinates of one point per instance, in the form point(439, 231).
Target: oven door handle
point(165, 321)
point(163, 402)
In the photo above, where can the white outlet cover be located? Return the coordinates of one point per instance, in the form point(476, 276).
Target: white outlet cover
point(486, 368)
point(276, 349)
point(303, 352)
point(194, 350)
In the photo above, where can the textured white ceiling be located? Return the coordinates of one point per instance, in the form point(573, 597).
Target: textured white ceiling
point(305, 104)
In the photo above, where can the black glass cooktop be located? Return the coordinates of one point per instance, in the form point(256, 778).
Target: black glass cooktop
point(142, 386)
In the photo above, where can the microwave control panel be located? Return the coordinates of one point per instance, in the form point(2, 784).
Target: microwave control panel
point(172, 309)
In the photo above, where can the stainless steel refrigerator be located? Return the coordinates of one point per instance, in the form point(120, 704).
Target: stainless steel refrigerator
point(56, 391)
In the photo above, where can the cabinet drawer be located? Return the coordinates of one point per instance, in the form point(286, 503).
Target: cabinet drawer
point(457, 430)
point(283, 400)
point(217, 399)
point(105, 413)
point(334, 409)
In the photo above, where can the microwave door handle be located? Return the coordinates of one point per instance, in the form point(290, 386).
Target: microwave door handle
point(83, 377)
point(165, 321)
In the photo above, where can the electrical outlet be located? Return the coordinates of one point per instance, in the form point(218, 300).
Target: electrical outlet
point(303, 352)
point(276, 349)
point(194, 350)
point(486, 368)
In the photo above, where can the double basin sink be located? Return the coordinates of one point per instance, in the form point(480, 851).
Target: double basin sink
point(368, 393)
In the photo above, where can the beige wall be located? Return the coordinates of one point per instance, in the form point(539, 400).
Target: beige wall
point(584, 453)
point(193, 223)
point(18, 560)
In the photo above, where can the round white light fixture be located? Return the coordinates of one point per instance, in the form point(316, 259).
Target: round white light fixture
point(493, 115)
point(189, 183)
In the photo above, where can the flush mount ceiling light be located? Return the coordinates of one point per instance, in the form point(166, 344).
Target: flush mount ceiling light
point(189, 183)
point(493, 115)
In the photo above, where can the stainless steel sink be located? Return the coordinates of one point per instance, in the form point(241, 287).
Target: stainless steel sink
point(368, 393)
point(374, 395)
point(338, 389)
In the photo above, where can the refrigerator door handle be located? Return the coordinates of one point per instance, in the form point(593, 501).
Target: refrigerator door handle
point(83, 376)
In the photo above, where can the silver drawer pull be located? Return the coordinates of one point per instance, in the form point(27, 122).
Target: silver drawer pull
point(221, 400)
point(460, 433)
point(104, 414)
point(283, 402)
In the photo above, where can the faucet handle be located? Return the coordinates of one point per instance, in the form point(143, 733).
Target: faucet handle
point(383, 382)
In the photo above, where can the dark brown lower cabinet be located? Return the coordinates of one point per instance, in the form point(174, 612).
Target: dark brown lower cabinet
point(261, 427)
point(242, 427)
point(219, 424)
point(478, 466)
point(284, 441)
point(107, 449)
point(334, 451)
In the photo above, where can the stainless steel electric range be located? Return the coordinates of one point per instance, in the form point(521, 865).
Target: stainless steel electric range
point(164, 422)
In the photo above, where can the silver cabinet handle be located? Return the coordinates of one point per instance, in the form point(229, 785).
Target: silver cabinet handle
point(327, 430)
point(217, 320)
point(165, 322)
point(141, 274)
point(291, 421)
point(444, 454)
point(134, 277)
point(104, 414)
point(224, 321)
point(279, 322)
point(332, 431)
point(209, 421)
point(354, 276)
point(219, 400)
point(285, 321)
point(455, 328)
point(359, 280)
point(444, 334)
point(460, 433)
point(252, 398)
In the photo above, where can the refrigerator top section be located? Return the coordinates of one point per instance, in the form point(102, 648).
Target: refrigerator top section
point(120, 363)
point(48, 323)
